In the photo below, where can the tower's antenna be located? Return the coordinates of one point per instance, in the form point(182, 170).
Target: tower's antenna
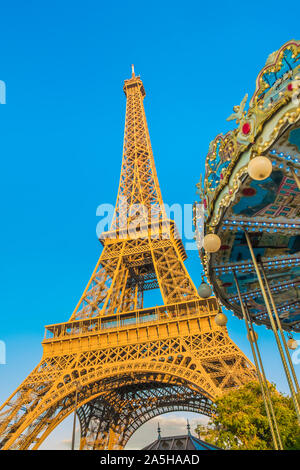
point(132, 68)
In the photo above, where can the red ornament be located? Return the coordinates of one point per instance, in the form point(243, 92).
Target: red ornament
point(221, 176)
point(290, 87)
point(246, 128)
point(204, 203)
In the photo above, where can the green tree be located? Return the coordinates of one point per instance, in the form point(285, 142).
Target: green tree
point(240, 420)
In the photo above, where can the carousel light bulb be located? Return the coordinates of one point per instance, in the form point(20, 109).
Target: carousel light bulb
point(204, 290)
point(211, 243)
point(292, 344)
point(221, 319)
point(259, 168)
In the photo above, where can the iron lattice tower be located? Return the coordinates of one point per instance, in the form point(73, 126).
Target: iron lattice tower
point(126, 363)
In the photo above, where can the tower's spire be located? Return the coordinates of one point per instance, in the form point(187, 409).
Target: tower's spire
point(138, 182)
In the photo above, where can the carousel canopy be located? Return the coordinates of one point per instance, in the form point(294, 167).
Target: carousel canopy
point(267, 209)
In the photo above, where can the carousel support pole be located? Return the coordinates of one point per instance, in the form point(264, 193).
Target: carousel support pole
point(279, 326)
point(296, 178)
point(280, 349)
point(264, 378)
point(257, 366)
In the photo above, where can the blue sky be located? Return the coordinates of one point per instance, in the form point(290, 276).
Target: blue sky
point(61, 133)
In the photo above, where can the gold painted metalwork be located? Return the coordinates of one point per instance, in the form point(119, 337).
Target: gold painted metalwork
point(120, 362)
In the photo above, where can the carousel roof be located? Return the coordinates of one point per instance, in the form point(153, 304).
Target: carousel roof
point(268, 210)
point(184, 442)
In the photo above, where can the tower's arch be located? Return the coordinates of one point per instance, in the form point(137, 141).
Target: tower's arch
point(113, 387)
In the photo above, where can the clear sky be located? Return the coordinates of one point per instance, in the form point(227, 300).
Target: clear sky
point(64, 63)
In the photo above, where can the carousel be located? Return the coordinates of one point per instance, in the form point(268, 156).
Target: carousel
point(251, 199)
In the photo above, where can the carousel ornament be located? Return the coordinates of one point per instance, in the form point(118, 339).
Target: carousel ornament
point(221, 319)
point(259, 168)
point(246, 128)
point(239, 112)
point(211, 243)
point(200, 192)
point(199, 187)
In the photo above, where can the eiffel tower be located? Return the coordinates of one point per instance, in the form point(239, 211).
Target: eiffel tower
point(119, 362)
